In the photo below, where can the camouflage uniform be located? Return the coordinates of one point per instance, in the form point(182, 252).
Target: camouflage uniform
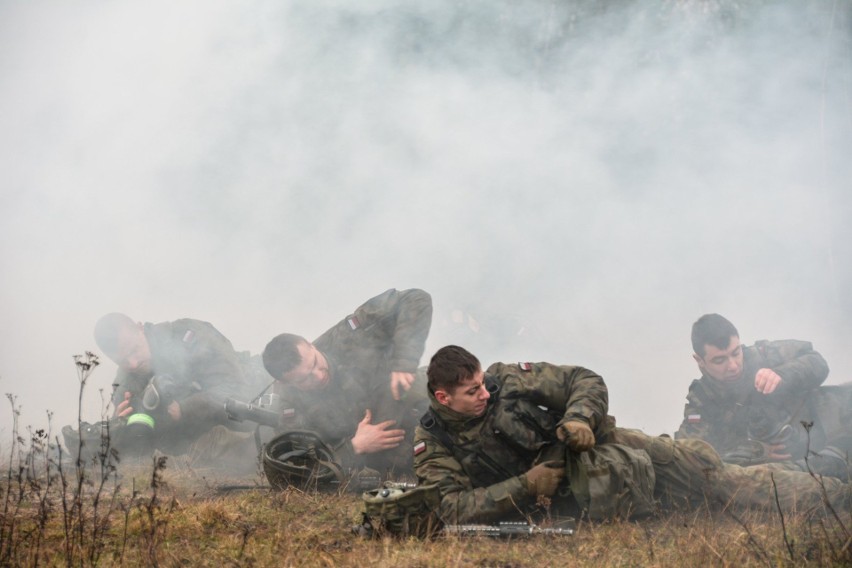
point(479, 463)
point(730, 416)
point(206, 370)
point(387, 333)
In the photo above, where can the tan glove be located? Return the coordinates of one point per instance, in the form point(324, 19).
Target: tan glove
point(577, 435)
point(544, 478)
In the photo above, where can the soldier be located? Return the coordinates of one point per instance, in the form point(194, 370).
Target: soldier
point(353, 384)
point(750, 402)
point(497, 443)
point(173, 377)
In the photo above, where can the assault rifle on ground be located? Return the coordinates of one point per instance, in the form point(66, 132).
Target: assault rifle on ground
point(508, 529)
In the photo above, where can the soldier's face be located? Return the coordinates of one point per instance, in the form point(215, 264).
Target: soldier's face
point(312, 372)
point(469, 398)
point(724, 365)
point(134, 353)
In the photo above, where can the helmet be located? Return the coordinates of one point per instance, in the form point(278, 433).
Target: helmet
point(402, 510)
point(302, 460)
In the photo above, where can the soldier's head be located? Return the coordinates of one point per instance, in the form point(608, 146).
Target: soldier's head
point(123, 340)
point(717, 349)
point(294, 360)
point(457, 381)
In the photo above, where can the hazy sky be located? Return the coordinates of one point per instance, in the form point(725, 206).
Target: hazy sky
point(583, 182)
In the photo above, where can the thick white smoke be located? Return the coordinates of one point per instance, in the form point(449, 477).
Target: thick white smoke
point(572, 181)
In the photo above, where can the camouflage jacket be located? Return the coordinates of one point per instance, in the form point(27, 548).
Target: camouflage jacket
point(205, 370)
point(387, 333)
point(728, 415)
point(479, 463)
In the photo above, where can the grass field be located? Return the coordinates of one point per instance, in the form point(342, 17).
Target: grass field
point(166, 513)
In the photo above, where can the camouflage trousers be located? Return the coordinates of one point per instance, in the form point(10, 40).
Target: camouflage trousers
point(690, 472)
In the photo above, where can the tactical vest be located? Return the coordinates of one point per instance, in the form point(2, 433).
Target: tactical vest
point(608, 481)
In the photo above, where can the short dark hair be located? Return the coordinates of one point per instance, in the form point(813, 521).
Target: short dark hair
point(712, 329)
point(108, 330)
point(282, 354)
point(450, 366)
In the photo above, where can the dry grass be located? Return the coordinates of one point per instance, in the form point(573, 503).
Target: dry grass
point(58, 512)
point(179, 517)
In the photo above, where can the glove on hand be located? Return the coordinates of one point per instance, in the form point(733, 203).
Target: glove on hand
point(544, 478)
point(578, 435)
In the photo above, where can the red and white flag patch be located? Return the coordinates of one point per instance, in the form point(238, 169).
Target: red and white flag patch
point(188, 336)
point(692, 418)
point(419, 448)
point(525, 366)
point(353, 323)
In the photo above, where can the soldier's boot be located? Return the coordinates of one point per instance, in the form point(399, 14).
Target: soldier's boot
point(829, 461)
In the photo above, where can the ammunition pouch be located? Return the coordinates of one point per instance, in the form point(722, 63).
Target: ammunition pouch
point(401, 510)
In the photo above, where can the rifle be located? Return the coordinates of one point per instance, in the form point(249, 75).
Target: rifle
point(240, 411)
point(508, 529)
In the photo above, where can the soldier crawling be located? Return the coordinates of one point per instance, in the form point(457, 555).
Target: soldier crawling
point(496, 443)
point(750, 402)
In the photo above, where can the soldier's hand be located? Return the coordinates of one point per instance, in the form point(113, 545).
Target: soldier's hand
point(124, 408)
point(577, 435)
point(766, 381)
point(174, 410)
point(370, 438)
point(544, 478)
point(400, 379)
point(776, 452)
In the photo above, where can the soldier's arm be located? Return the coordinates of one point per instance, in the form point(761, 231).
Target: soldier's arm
point(581, 393)
point(799, 366)
point(696, 422)
point(214, 370)
point(408, 316)
point(127, 382)
point(461, 502)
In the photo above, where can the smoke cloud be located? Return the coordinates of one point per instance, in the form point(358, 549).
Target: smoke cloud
point(574, 182)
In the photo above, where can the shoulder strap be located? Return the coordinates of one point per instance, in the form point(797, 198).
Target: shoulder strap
point(433, 423)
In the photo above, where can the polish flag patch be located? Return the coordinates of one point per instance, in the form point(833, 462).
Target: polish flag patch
point(692, 418)
point(188, 336)
point(353, 323)
point(419, 448)
point(525, 366)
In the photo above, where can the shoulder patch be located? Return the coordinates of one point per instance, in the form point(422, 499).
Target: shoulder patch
point(353, 322)
point(288, 414)
point(693, 418)
point(189, 336)
point(525, 366)
point(419, 448)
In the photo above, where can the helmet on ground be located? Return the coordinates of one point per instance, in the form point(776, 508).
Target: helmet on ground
point(301, 459)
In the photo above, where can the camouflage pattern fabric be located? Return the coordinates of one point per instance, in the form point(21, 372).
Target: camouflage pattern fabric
point(204, 370)
point(738, 421)
point(690, 472)
point(398, 510)
point(480, 474)
point(478, 463)
point(387, 333)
